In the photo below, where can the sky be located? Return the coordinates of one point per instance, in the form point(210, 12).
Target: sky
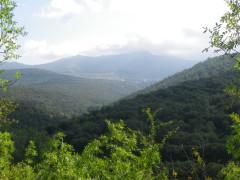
point(63, 28)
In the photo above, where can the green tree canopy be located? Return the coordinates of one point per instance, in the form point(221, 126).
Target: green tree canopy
point(225, 37)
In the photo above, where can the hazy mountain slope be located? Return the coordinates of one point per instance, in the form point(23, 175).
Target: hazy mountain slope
point(14, 65)
point(210, 67)
point(134, 66)
point(66, 94)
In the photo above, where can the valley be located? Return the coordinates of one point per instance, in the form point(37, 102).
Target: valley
point(74, 85)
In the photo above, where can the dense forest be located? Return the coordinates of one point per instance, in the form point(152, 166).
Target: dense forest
point(200, 109)
point(211, 67)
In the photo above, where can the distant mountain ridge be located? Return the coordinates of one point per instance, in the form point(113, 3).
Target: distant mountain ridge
point(137, 67)
point(133, 66)
point(77, 83)
point(14, 65)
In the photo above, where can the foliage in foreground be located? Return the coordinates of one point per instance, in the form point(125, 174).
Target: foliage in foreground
point(224, 37)
point(232, 171)
point(10, 32)
point(120, 154)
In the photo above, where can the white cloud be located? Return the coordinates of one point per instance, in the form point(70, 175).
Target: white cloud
point(190, 48)
point(43, 51)
point(63, 8)
point(114, 26)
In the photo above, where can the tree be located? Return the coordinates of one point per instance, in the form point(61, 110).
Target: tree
point(225, 37)
point(123, 154)
point(9, 34)
point(9, 31)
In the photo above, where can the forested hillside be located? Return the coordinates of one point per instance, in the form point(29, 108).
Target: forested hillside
point(208, 68)
point(199, 108)
point(62, 94)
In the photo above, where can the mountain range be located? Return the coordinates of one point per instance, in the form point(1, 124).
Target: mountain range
point(137, 67)
point(73, 85)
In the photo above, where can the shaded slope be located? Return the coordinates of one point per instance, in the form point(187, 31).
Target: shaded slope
point(64, 94)
point(210, 67)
